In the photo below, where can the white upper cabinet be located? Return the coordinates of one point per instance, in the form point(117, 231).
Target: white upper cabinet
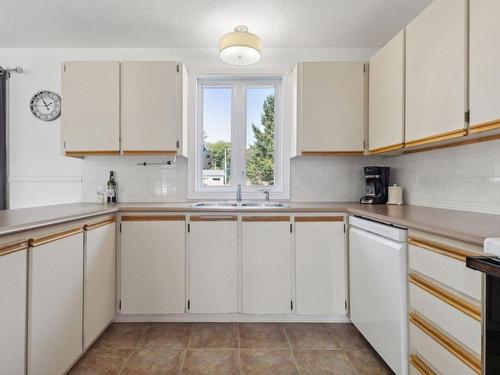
point(320, 252)
point(436, 73)
point(90, 116)
point(13, 278)
point(484, 65)
point(331, 108)
point(386, 98)
point(213, 267)
point(151, 107)
point(153, 264)
point(99, 279)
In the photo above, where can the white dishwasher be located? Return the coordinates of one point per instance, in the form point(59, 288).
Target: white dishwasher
point(378, 288)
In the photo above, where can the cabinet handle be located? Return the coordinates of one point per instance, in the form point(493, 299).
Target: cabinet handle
point(213, 218)
point(420, 365)
point(13, 247)
point(450, 251)
point(34, 242)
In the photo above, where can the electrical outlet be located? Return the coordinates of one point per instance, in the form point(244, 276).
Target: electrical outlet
point(414, 181)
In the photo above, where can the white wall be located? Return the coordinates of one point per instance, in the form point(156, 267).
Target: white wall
point(38, 174)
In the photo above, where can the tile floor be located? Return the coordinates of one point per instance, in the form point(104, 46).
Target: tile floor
point(231, 348)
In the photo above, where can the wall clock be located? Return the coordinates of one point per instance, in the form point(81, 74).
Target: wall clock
point(46, 105)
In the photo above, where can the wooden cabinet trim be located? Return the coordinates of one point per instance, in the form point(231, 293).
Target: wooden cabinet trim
point(450, 251)
point(90, 153)
point(150, 152)
point(13, 247)
point(154, 218)
point(485, 126)
point(460, 304)
point(34, 242)
point(381, 150)
point(456, 143)
point(265, 218)
point(314, 219)
point(471, 360)
point(99, 224)
point(213, 218)
point(420, 365)
point(436, 138)
point(332, 153)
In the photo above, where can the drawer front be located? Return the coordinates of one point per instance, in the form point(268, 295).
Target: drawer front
point(458, 324)
point(439, 355)
point(445, 269)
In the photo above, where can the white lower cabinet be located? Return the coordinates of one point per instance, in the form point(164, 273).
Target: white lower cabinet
point(13, 276)
point(266, 265)
point(153, 264)
point(213, 267)
point(55, 302)
point(320, 265)
point(99, 292)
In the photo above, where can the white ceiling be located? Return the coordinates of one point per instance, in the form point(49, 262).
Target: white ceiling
point(200, 23)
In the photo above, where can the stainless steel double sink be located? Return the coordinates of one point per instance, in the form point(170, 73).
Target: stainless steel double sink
point(243, 204)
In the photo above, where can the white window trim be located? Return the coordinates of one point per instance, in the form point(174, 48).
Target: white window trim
point(281, 189)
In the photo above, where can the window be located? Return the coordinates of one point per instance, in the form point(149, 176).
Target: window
point(238, 135)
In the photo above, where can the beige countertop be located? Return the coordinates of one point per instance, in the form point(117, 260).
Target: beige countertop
point(464, 226)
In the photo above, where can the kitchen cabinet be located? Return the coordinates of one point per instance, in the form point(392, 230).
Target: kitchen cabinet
point(386, 97)
point(153, 264)
point(484, 79)
point(99, 285)
point(90, 118)
point(152, 113)
point(320, 255)
point(436, 84)
point(213, 267)
point(13, 278)
point(331, 108)
point(55, 302)
point(266, 265)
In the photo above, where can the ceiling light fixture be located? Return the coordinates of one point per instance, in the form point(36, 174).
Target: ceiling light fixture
point(240, 47)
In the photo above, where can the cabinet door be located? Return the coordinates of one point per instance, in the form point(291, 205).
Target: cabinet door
point(331, 107)
point(153, 264)
point(213, 254)
point(150, 100)
point(484, 55)
point(99, 280)
point(386, 110)
point(90, 118)
point(13, 276)
point(436, 73)
point(266, 265)
point(320, 265)
point(55, 305)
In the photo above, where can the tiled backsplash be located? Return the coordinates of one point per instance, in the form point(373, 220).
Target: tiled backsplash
point(136, 183)
point(461, 178)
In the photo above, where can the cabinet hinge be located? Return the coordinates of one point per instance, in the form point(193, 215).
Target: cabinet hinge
point(291, 228)
point(120, 305)
point(189, 228)
point(120, 227)
point(64, 145)
point(364, 145)
point(345, 305)
point(189, 304)
point(364, 68)
point(64, 68)
point(467, 116)
point(344, 228)
point(291, 305)
point(177, 68)
point(177, 143)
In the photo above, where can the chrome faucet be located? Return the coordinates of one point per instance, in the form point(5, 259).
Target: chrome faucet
point(266, 194)
point(238, 193)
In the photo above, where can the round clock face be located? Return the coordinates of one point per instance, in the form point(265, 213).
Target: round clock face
point(46, 105)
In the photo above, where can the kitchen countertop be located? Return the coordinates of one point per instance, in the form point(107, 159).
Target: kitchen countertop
point(470, 227)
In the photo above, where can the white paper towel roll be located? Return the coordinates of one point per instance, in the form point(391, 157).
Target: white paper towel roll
point(395, 195)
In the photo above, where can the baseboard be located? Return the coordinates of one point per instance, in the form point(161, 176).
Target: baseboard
point(291, 318)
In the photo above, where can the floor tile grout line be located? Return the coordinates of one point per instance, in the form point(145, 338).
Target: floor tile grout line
point(239, 349)
point(291, 350)
point(135, 349)
point(187, 348)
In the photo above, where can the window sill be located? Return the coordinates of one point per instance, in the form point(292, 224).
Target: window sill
point(247, 195)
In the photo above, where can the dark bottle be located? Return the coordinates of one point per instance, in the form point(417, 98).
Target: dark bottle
point(111, 188)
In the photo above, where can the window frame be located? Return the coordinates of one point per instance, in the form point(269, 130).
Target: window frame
point(239, 85)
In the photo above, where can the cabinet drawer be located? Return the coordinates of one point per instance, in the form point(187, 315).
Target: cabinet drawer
point(454, 315)
point(442, 352)
point(440, 263)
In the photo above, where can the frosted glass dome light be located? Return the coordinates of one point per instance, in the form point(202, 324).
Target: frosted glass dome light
point(240, 47)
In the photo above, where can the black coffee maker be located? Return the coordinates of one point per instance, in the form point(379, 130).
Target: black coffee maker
point(377, 182)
